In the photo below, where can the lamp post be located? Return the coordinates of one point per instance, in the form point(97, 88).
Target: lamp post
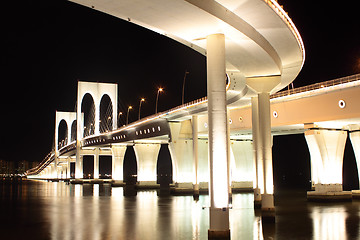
point(127, 115)
point(157, 98)
point(183, 87)
point(119, 122)
point(141, 100)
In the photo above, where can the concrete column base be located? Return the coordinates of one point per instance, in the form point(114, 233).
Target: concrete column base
point(267, 208)
point(184, 188)
point(196, 190)
point(219, 223)
point(355, 194)
point(117, 183)
point(76, 181)
point(147, 185)
point(329, 193)
point(212, 234)
point(257, 198)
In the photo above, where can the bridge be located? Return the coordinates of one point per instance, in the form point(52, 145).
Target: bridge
point(253, 50)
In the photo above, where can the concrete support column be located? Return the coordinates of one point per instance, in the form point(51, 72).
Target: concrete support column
point(258, 163)
point(68, 169)
point(195, 152)
point(267, 199)
point(96, 163)
point(326, 155)
point(118, 154)
point(263, 86)
point(146, 156)
point(218, 149)
point(326, 151)
point(242, 165)
point(79, 168)
point(181, 150)
point(56, 162)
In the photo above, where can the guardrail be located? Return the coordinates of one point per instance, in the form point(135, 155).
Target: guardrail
point(315, 86)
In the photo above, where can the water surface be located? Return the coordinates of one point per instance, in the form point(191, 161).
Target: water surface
point(47, 210)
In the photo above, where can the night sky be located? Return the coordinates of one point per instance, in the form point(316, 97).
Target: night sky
point(47, 46)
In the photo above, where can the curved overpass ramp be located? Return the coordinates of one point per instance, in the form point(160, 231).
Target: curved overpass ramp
point(261, 40)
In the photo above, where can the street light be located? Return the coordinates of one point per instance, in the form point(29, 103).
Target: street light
point(119, 122)
point(141, 100)
point(127, 115)
point(157, 98)
point(183, 87)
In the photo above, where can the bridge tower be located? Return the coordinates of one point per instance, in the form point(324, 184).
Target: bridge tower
point(96, 91)
point(69, 118)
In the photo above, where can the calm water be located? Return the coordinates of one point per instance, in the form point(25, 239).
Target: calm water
point(45, 210)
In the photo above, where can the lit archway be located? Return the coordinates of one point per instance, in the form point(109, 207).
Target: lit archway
point(88, 109)
point(62, 134)
point(106, 114)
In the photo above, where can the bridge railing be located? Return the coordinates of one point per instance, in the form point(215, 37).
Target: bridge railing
point(315, 86)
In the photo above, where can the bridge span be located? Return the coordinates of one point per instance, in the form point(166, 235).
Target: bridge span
point(252, 43)
point(325, 112)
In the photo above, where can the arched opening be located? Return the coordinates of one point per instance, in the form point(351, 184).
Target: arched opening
point(73, 131)
point(164, 166)
point(291, 162)
point(88, 108)
point(88, 164)
point(105, 167)
point(72, 170)
point(62, 134)
point(130, 166)
point(106, 114)
point(350, 171)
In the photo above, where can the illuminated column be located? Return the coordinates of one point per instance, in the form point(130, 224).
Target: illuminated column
point(218, 150)
point(79, 171)
point(267, 199)
point(53, 170)
point(355, 142)
point(263, 86)
point(118, 154)
point(146, 156)
point(96, 163)
point(195, 152)
point(242, 165)
point(181, 150)
point(326, 149)
point(259, 177)
point(68, 169)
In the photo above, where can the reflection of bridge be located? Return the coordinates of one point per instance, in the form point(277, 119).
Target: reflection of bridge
point(257, 45)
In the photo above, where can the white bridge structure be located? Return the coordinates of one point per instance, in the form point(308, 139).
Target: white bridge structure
point(224, 140)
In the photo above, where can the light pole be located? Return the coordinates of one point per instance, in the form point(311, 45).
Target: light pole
point(141, 100)
point(127, 115)
point(183, 87)
point(157, 98)
point(119, 122)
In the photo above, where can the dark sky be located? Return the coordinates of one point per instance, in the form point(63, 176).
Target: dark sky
point(49, 45)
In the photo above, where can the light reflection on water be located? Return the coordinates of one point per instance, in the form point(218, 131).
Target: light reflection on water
point(59, 211)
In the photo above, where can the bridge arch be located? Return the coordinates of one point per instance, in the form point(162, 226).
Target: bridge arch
point(106, 114)
point(88, 110)
point(62, 133)
point(73, 131)
point(97, 91)
point(63, 119)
